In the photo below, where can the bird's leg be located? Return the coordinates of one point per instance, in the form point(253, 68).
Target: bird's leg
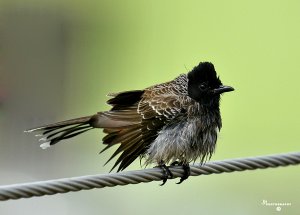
point(166, 172)
point(176, 163)
point(186, 174)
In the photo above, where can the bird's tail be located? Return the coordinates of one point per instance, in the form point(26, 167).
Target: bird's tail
point(53, 133)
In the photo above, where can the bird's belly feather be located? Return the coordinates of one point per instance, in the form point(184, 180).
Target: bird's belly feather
point(186, 141)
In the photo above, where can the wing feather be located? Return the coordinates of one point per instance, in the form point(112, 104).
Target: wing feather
point(138, 121)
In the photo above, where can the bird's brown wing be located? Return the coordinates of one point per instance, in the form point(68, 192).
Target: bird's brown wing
point(143, 118)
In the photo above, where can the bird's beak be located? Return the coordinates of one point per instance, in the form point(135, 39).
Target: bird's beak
point(223, 89)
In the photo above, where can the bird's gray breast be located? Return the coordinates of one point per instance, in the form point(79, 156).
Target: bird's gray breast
point(185, 140)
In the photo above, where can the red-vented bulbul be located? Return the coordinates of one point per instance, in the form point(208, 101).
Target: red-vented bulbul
point(172, 122)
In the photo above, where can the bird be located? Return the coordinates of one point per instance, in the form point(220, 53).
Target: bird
point(175, 122)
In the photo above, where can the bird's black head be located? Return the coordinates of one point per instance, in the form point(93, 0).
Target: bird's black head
point(204, 85)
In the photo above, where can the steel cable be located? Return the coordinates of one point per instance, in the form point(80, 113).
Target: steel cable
point(51, 187)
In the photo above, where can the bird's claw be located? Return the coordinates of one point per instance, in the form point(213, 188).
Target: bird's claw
point(167, 174)
point(186, 174)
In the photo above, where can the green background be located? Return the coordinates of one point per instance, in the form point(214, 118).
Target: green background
point(122, 45)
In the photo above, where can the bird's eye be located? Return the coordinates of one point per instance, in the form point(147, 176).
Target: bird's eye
point(202, 86)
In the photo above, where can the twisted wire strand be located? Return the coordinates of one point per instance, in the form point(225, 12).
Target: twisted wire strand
point(65, 185)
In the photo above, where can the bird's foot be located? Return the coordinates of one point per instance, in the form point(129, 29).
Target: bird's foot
point(187, 172)
point(166, 173)
point(186, 168)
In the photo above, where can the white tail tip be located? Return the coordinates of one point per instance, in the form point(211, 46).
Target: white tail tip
point(45, 145)
point(43, 139)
